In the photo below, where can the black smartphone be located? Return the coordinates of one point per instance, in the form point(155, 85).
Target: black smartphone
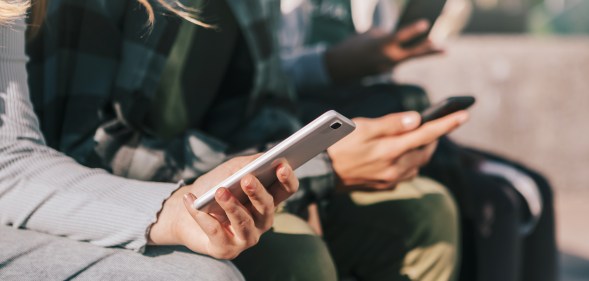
point(420, 9)
point(445, 107)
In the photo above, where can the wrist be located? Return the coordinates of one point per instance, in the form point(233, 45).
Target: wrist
point(163, 231)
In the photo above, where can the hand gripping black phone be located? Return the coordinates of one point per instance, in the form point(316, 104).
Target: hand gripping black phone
point(445, 107)
point(420, 9)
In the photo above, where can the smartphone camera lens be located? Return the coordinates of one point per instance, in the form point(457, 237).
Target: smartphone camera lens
point(336, 125)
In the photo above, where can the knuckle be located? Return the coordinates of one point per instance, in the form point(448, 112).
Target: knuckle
point(395, 153)
point(245, 223)
point(214, 231)
point(231, 209)
point(252, 241)
point(391, 175)
point(397, 148)
point(255, 197)
point(253, 194)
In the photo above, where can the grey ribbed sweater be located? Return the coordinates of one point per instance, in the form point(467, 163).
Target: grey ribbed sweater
point(43, 190)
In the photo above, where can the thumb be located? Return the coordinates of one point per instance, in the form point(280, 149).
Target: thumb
point(188, 200)
point(413, 30)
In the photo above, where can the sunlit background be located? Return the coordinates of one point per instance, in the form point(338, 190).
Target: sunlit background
point(527, 62)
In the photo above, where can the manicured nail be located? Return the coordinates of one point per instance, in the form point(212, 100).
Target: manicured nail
point(223, 194)
point(409, 120)
point(422, 25)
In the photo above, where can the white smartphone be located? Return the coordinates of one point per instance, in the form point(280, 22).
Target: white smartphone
point(297, 149)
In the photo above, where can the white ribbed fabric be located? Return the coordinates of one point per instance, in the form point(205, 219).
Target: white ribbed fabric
point(43, 190)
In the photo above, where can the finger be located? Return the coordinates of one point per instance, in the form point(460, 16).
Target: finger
point(417, 158)
point(426, 47)
point(241, 221)
point(401, 168)
point(410, 175)
point(389, 175)
point(431, 131)
point(287, 183)
point(210, 226)
point(262, 203)
point(411, 31)
point(383, 185)
point(391, 124)
point(390, 178)
point(188, 200)
point(236, 163)
point(429, 150)
point(223, 171)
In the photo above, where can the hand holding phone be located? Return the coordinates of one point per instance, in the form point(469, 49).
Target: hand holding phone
point(297, 149)
point(416, 10)
point(239, 228)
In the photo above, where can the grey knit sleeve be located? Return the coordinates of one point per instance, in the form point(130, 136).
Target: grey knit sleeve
point(43, 190)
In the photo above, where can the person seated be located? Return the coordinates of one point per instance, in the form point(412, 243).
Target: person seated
point(174, 100)
point(340, 54)
point(48, 202)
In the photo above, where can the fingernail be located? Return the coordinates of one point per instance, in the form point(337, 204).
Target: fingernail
point(248, 187)
point(423, 25)
point(247, 181)
point(223, 194)
point(462, 118)
point(283, 172)
point(409, 120)
point(189, 198)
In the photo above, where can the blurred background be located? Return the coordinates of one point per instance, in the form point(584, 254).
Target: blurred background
point(527, 62)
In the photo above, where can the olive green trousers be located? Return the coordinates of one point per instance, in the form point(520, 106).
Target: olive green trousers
point(409, 233)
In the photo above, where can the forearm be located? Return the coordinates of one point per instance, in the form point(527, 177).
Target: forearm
point(43, 190)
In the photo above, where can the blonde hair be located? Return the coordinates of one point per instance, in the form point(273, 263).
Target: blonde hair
point(39, 8)
point(175, 7)
point(12, 10)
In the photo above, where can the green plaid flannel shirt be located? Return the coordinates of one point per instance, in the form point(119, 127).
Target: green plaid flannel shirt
point(94, 71)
